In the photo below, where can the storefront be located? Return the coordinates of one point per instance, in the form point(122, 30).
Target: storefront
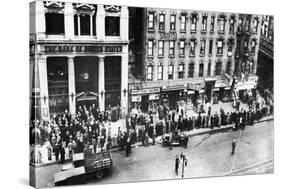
point(145, 98)
point(221, 91)
point(247, 89)
point(174, 95)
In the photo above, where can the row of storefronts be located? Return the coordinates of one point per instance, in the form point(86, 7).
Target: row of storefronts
point(191, 96)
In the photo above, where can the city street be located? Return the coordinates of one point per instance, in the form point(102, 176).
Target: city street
point(208, 155)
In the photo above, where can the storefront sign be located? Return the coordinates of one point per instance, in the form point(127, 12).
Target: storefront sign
point(136, 98)
point(174, 87)
point(190, 92)
point(196, 86)
point(168, 36)
point(154, 97)
point(83, 49)
point(220, 83)
point(145, 91)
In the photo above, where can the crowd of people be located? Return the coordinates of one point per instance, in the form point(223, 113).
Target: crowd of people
point(65, 132)
point(87, 129)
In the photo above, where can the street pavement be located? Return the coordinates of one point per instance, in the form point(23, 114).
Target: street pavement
point(207, 154)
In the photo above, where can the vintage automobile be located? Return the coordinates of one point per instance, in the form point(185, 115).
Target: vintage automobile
point(83, 166)
point(176, 138)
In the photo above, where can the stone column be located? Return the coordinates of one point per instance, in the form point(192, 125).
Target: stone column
point(71, 86)
point(78, 23)
point(40, 27)
point(124, 82)
point(124, 23)
point(100, 23)
point(101, 84)
point(69, 21)
point(43, 82)
point(91, 25)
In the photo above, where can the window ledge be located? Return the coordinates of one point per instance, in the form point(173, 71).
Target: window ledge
point(212, 32)
point(204, 31)
point(149, 56)
point(182, 31)
point(182, 56)
point(191, 55)
point(161, 31)
point(192, 31)
point(171, 56)
point(231, 32)
point(160, 56)
point(202, 55)
point(173, 31)
point(151, 30)
point(209, 55)
point(219, 54)
point(221, 32)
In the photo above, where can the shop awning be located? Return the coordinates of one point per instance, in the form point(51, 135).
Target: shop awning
point(221, 84)
point(174, 87)
point(136, 98)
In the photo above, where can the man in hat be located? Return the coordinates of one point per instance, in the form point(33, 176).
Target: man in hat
point(233, 146)
point(177, 162)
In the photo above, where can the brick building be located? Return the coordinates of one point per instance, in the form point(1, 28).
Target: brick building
point(191, 57)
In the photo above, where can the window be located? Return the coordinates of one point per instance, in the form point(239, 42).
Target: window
point(253, 46)
point(181, 71)
point(230, 45)
point(202, 47)
point(204, 23)
point(191, 70)
point(160, 72)
point(231, 25)
point(173, 22)
point(161, 22)
point(160, 48)
point(149, 73)
point(172, 48)
point(218, 68)
point(182, 48)
point(245, 46)
point(151, 21)
point(192, 48)
point(183, 23)
point(201, 70)
point(219, 47)
point(221, 24)
point(209, 69)
point(255, 25)
point(193, 23)
point(112, 26)
point(84, 24)
point(212, 27)
point(150, 48)
point(240, 24)
point(247, 25)
point(228, 67)
point(54, 23)
point(210, 46)
point(170, 71)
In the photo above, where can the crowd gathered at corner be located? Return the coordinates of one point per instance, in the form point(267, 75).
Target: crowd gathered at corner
point(65, 134)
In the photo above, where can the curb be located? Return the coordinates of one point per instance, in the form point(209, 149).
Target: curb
point(116, 148)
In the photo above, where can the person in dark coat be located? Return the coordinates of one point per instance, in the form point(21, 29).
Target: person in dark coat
point(177, 162)
point(233, 146)
point(62, 154)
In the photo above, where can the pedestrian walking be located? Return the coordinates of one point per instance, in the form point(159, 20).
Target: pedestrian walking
point(177, 162)
point(233, 146)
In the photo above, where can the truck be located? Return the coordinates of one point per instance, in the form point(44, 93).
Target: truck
point(83, 166)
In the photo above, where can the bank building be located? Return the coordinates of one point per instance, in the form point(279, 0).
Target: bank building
point(78, 56)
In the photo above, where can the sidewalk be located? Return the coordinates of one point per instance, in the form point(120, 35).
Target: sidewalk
point(46, 162)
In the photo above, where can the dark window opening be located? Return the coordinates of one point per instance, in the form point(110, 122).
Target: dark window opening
point(54, 23)
point(201, 70)
point(84, 24)
point(112, 26)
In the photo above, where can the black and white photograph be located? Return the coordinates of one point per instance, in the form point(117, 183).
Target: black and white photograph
point(124, 94)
